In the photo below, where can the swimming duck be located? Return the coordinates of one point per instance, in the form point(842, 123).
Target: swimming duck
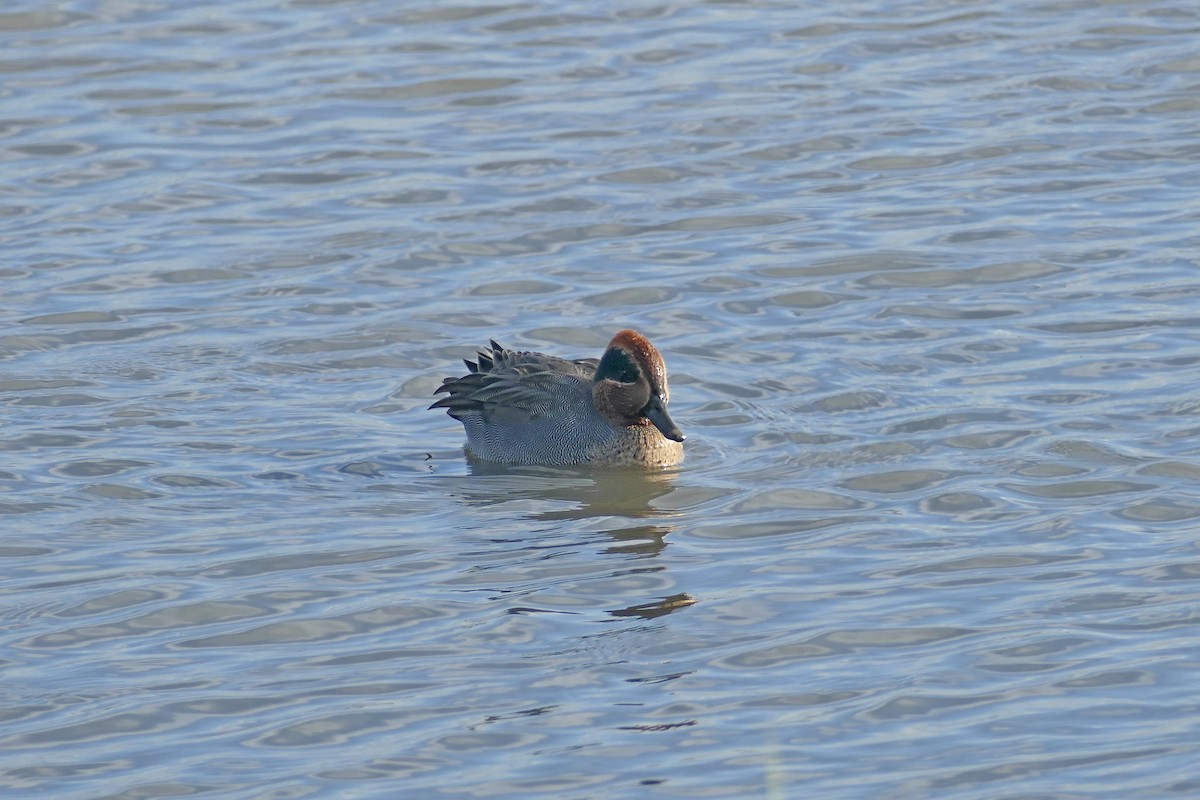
point(533, 408)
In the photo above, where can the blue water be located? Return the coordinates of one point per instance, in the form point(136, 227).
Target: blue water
point(925, 279)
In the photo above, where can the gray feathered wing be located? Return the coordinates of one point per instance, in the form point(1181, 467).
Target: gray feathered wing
point(512, 383)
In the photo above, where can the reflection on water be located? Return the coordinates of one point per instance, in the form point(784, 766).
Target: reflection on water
point(657, 608)
point(566, 506)
point(585, 493)
point(926, 283)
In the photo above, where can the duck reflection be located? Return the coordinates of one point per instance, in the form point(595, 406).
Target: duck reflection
point(621, 505)
point(592, 492)
point(582, 494)
point(657, 608)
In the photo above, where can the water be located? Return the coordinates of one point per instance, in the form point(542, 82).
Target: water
point(925, 279)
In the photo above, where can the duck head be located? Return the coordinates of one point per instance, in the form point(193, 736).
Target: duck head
point(630, 386)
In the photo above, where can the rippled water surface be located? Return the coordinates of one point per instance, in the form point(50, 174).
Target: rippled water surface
point(924, 274)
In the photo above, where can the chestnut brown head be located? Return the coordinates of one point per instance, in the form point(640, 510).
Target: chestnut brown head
point(630, 385)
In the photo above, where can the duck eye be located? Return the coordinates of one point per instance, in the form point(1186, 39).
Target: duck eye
point(618, 366)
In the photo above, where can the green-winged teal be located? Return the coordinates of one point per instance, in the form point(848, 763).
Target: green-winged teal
point(532, 408)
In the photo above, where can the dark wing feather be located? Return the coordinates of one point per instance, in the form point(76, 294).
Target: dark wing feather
point(532, 383)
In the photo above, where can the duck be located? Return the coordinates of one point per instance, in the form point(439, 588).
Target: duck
point(530, 408)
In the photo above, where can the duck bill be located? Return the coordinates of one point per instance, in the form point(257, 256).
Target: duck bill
point(656, 412)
